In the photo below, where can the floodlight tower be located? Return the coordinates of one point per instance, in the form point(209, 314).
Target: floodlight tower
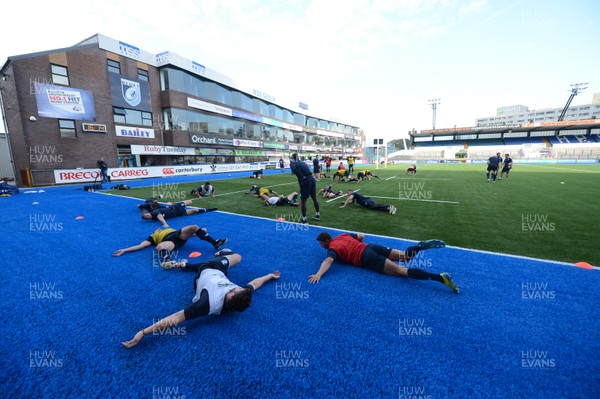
point(575, 89)
point(434, 103)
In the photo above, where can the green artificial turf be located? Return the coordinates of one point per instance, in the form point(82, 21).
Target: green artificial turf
point(531, 213)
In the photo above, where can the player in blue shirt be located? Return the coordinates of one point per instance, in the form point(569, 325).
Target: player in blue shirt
point(508, 163)
point(308, 186)
point(492, 166)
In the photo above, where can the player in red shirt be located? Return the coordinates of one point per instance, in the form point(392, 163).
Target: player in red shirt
point(350, 248)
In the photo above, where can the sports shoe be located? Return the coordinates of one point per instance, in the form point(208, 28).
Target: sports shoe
point(223, 252)
point(170, 264)
point(428, 244)
point(317, 217)
point(449, 283)
point(488, 180)
point(220, 242)
point(394, 210)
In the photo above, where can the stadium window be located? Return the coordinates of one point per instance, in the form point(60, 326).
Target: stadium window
point(113, 66)
point(60, 75)
point(143, 75)
point(67, 128)
point(146, 119)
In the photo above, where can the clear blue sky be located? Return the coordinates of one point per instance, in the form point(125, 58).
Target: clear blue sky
point(374, 63)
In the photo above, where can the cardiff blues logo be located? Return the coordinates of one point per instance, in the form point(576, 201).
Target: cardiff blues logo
point(131, 92)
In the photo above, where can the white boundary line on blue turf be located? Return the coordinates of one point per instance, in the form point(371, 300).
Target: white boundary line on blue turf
point(420, 200)
point(556, 262)
point(405, 239)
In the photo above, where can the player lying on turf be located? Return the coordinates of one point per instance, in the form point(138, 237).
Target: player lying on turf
point(367, 202)
point(260, 191)
point(171, 211)
point(329, 192)
point(151, 204)
point(215, 294)
point(205, 190)
point(350, 248)
point(167, 240)
point(281, 200)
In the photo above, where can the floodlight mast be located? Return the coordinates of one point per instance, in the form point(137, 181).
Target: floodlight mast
point(575, 89)
point(434, 103)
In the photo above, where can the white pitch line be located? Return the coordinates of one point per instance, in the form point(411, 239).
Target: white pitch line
point(420, 178)
point(420, 200)
point(389, 178)
point(341, 196)
point(245, 191)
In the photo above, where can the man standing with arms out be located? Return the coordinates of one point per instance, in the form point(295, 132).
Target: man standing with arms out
point(351, 161)
point(508, 163)
point(350, 248)
point(493, 163)
point(308, 186)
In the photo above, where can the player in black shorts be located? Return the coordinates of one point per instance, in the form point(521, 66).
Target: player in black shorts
point(412, 169)
point(171, 211)
point(316, 168)
point(151, 204)
point(167, 240)
point(329, 192)
point(350, 248)
point(214, 293)
point(367, 202)
point(492, 167)
point(508, 163)
point(308, 186)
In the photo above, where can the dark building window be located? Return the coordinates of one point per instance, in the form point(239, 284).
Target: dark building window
point(60, 75)
point(132, 116)
point(143, 75)
point(67, 128)
point(113, 66)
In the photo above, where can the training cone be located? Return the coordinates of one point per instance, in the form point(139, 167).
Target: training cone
point(584, 265)
point(194, 254)
point(280, 219)
point(79, 218)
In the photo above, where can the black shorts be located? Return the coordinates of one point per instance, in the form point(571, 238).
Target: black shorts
point(374, 257)
point(316, 169)
point(180, 209)
point(492, 168)
point(175, 239)
point(505, 169)
point(308, 187)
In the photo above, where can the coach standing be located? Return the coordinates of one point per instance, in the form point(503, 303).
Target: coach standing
point(308, 186)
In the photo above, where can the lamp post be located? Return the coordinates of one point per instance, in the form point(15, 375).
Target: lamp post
point(434, 103)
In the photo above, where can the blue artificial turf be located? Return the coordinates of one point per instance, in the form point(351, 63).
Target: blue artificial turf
point(521, 328)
